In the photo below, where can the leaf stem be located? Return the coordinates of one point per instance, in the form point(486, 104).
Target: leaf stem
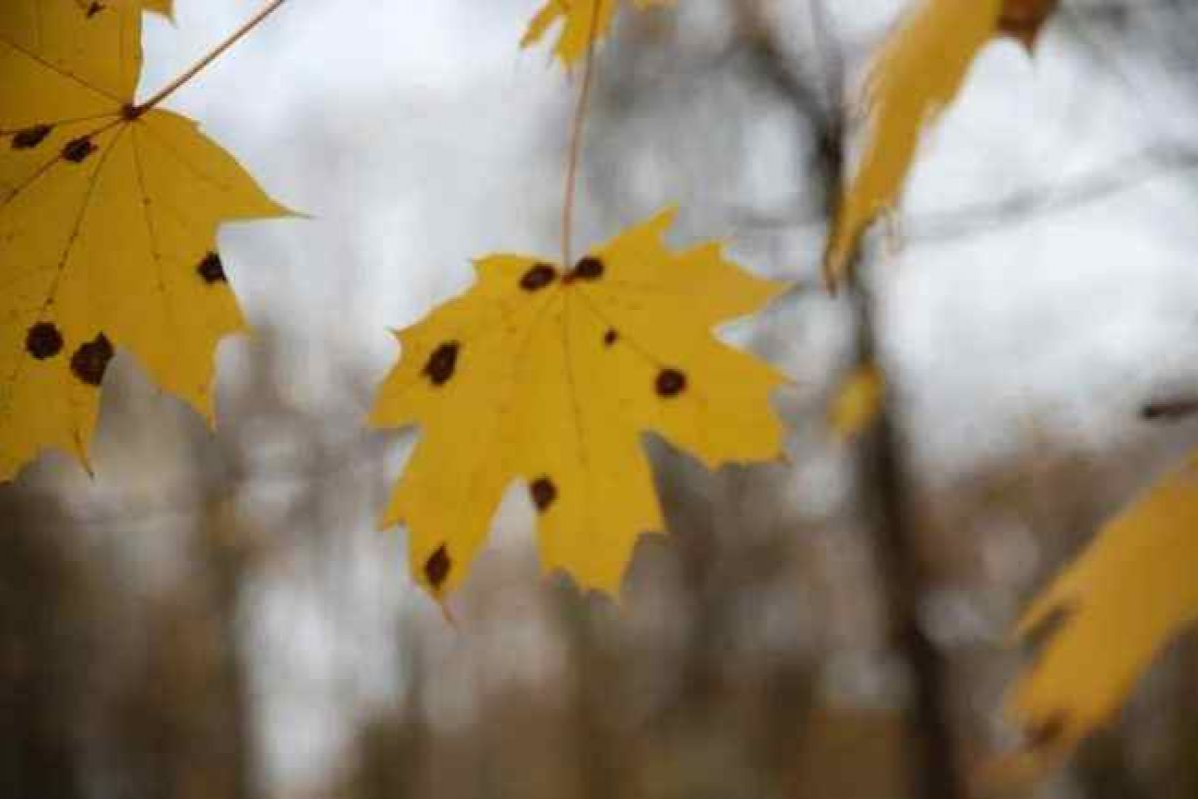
point(199, 66)
point(576, 131)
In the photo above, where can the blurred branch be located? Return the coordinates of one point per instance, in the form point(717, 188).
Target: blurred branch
point(1122, 175)
point(935, 770)
point(1024, 205)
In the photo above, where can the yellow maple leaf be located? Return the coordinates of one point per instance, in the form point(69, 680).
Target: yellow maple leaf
point(583, 21)
point(551, 376)
point(919, 70)
point(857, 402)
point(1117, 605)
point(108, 222)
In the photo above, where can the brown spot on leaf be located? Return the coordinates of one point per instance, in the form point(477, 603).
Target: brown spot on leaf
point(437, 567)
point(30, 137)
point(90, 361)
point(670, 383)
point(442, 363)
point(538, 277)
point(211, 270)
point(1046, 734)
point(588, 268)
point(543, 493)
point(610, 337)
point(43, 341)
point(77, 150)
point(94, 8)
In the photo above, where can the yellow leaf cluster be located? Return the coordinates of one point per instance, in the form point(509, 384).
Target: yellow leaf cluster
point(582, 22)
point(550, 376)
point(108, 223)
point(919, 70)
point(1117, 605)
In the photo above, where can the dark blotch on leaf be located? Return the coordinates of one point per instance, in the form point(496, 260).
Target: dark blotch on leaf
point(610, 337)
point(543, 493)
point(588, 268)
point(77, 150)
point(670, 382)
point(211, 270)
point(90, 361)
point(94, 8)
point(442, 363)
point(538, 277)
point(437, 567)
point(1047, 733)
point(43, 340)
point(30, 137)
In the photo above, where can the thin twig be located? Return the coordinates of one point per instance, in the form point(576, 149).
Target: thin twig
point(203, 63)
point(1022, 205)
point(1170, 410)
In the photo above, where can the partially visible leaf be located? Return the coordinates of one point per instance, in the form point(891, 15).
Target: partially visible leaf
point(1117, 605)
point(918, 72)
point(583, 21)
point(551, 376)
point(857, 402)
point(108, 223)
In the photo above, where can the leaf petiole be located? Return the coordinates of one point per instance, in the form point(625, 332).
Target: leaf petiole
point(134, 111)
point(576, 130)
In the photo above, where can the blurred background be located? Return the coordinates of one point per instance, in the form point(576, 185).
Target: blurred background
point(214, 614)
